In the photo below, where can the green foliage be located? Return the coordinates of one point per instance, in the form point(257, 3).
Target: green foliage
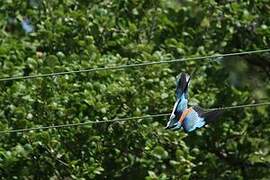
point(80, 34)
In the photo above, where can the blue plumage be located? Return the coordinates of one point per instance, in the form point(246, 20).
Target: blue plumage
point(188, 118)
point(192, 121)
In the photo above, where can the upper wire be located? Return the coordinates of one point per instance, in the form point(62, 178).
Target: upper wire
point(124, 119)
point(130, 65)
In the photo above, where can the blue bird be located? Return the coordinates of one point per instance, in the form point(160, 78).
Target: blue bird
point(181, 100)
point(188, 118)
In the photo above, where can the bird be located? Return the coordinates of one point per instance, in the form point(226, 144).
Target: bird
point(181, 103)
point(188, 119)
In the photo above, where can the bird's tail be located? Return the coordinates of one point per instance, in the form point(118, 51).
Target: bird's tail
point(182, 83)
point(209, 116)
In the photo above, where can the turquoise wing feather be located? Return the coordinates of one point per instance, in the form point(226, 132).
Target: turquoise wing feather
point(181, 99)
point(193, 121)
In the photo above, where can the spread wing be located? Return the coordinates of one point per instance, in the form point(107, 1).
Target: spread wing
point(193, 121)
point(209, 116)
point(181, 99)
point(179, 106)
point(182, 84)
point(198, 117)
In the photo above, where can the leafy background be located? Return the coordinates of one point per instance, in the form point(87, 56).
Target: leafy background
point(80, 34)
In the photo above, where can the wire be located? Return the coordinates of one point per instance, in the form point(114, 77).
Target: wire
point(130, 65)
point(85, 123)
point(123, 119)
point(241, 106)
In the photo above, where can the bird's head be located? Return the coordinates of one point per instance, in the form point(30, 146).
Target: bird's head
point(173, 123)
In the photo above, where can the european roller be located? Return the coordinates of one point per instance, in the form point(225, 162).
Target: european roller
point(188, 118)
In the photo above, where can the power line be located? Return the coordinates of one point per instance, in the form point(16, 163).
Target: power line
point(123, 119)
point(130, 65)
point(241, 106)
point(84, 123)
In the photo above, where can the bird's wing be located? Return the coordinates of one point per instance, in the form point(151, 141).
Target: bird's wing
point(181, 93)
point(174, 114)
point(198, 117)
point(175, 108)
point(209, 116)
point(181, 98)
point(193, 121)
point(182, 84)
point(179, 106)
